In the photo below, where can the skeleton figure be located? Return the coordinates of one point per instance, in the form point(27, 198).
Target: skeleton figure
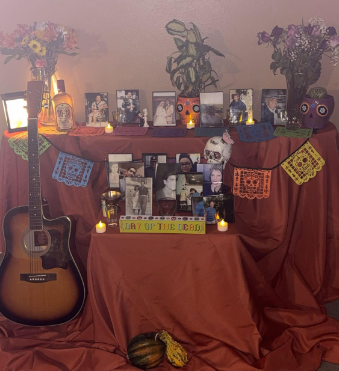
point(218, 149)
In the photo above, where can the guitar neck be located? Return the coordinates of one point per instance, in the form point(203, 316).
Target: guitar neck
point(34, 190)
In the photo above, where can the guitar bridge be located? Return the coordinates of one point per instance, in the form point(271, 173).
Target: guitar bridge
point(38, 277)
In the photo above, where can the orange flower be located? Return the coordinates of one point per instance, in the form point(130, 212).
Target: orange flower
point(22, 30)
point(71, 39)
point(50, 32)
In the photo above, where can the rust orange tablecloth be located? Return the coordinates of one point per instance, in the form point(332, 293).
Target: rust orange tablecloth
point(251, 298)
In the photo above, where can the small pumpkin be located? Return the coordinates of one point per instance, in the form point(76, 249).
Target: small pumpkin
point(145, 351)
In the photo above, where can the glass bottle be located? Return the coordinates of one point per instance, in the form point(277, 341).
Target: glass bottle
point(64, 108)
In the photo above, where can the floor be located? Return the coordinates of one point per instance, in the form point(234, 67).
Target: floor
point(332, 311)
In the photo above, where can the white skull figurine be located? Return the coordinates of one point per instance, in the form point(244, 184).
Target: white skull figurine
point(218, 149)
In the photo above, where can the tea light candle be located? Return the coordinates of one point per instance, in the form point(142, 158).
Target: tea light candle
point(250, 121)
point(108, 129)
point(222, 226)
point(190, 125)
point(100, 227)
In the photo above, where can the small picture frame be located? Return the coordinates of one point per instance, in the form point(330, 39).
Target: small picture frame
point(129, 170)
point(212, 179)
point(224, 206)
point(138, 196)
point(189, 186)
point(210, 210)
point(240, 106)
point(163, 103)
point(151, 160)
point(188, 161)
point(113, 173)
point(166, 181)
point(96, 109)
point(128, 106)
point(212, 109)
point(273, 106)
point(198, 208)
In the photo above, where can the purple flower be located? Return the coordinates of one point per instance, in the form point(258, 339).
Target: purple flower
point(334, 41)
point(290, 41)
point(277, 31)
point(292, 30)
point(331, 31)
point(316, 30)
point(263, 38)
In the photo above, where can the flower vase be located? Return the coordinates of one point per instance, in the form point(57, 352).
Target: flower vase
point(295, 95)
point(47, 115)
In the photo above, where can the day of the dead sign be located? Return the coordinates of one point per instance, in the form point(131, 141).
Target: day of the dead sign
point(162, 224)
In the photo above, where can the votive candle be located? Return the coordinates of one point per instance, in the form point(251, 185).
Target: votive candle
point(108, 129)
point(100, 227)
point(190, 125)
point(222, 226)
point(250, 121)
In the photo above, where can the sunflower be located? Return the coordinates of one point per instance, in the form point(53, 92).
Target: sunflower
point(41, 51)
point(35, 45)
point(25, 40)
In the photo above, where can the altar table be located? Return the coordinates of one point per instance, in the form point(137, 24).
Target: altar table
point(247, 299)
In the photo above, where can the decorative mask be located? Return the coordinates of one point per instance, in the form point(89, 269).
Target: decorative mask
point(188, 109)
point(218, 149)
point(317, 112)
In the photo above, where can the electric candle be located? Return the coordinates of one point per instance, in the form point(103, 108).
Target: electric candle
point(250, 121)
point(108, 129)
point(100, 227)
point(222, 226)
point(190, 125)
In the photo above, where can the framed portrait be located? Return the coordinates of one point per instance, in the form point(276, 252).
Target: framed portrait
point(210, 210)
point(223, 205)
point(212, 179)
point(166, 180)
point(128, 106)
point(212, 109)
point(150, 161)
point(273, 106)
point(163, 103)
point(113, 172)
point(96, 107)
point(240, 105)
point(129, 170)
point(138, 196)
point(189, 186)
point(188, 161)
point(198, 208)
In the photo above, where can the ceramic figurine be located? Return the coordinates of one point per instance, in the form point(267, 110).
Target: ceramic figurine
point(145, 117)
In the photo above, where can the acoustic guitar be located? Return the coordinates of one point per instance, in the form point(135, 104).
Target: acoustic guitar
point(40, 282)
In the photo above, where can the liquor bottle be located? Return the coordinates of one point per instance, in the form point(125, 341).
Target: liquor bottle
point(64, 111)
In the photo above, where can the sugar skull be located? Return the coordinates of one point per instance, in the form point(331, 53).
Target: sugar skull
point(251, 181)
point(218, 150)
point(72, 170)
point(316, 112)
point(302, 163)
point(188, 109)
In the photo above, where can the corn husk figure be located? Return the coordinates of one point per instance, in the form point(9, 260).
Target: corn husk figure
point(176, 354)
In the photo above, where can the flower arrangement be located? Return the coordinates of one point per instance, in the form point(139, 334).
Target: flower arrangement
point(40, 44)
point(298, 50)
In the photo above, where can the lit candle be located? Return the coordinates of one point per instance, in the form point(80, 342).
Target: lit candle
point(100, 227)
point(190, 125)
point(108, 129)
point(250, 121)
point(222, 226)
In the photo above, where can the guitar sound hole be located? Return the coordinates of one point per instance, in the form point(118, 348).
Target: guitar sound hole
point(36, 242)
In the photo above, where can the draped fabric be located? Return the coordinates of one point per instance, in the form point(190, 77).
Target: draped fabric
point(250, 298)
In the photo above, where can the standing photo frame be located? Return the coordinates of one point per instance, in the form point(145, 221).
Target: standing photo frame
point(189, 186)
point(96, 109)
point(128, 106)
point(113, 173)
point(212, 109)
point(139, 196)
point(163, 103)
point(273, 106)
point(240, 105)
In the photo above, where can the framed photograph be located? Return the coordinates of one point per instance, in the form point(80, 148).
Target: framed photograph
point(223, 205)
point(138, 196)
point(128, 106)
point(198, 208)
point(210, 210)
point(188, 161)
point(15, 111)
point(189, 186)
point(129, 170)
point(163, 103)
point(113, 167)
point(120, 157)
point(212, 109)
point(150, 161)
point(212, 179)
point(166, 180)
point(240, 105)
point(96, 106)
point(273, 106)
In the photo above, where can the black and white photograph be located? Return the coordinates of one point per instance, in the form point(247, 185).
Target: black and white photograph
point(150, 161)
point(212, 179)
point(240, 105)
point(163, 103)
point(223, 205)
point(188, 161)
point(129, 170)
point(273, 106)
point(128, 106)
point(198, 206)
point(114, 159)
point(166, 180)
point(97, 112)
point(189, 185)
point(212, 109)
point(138, 196)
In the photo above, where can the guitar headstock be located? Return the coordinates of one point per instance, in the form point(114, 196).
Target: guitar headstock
point(35, 90)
